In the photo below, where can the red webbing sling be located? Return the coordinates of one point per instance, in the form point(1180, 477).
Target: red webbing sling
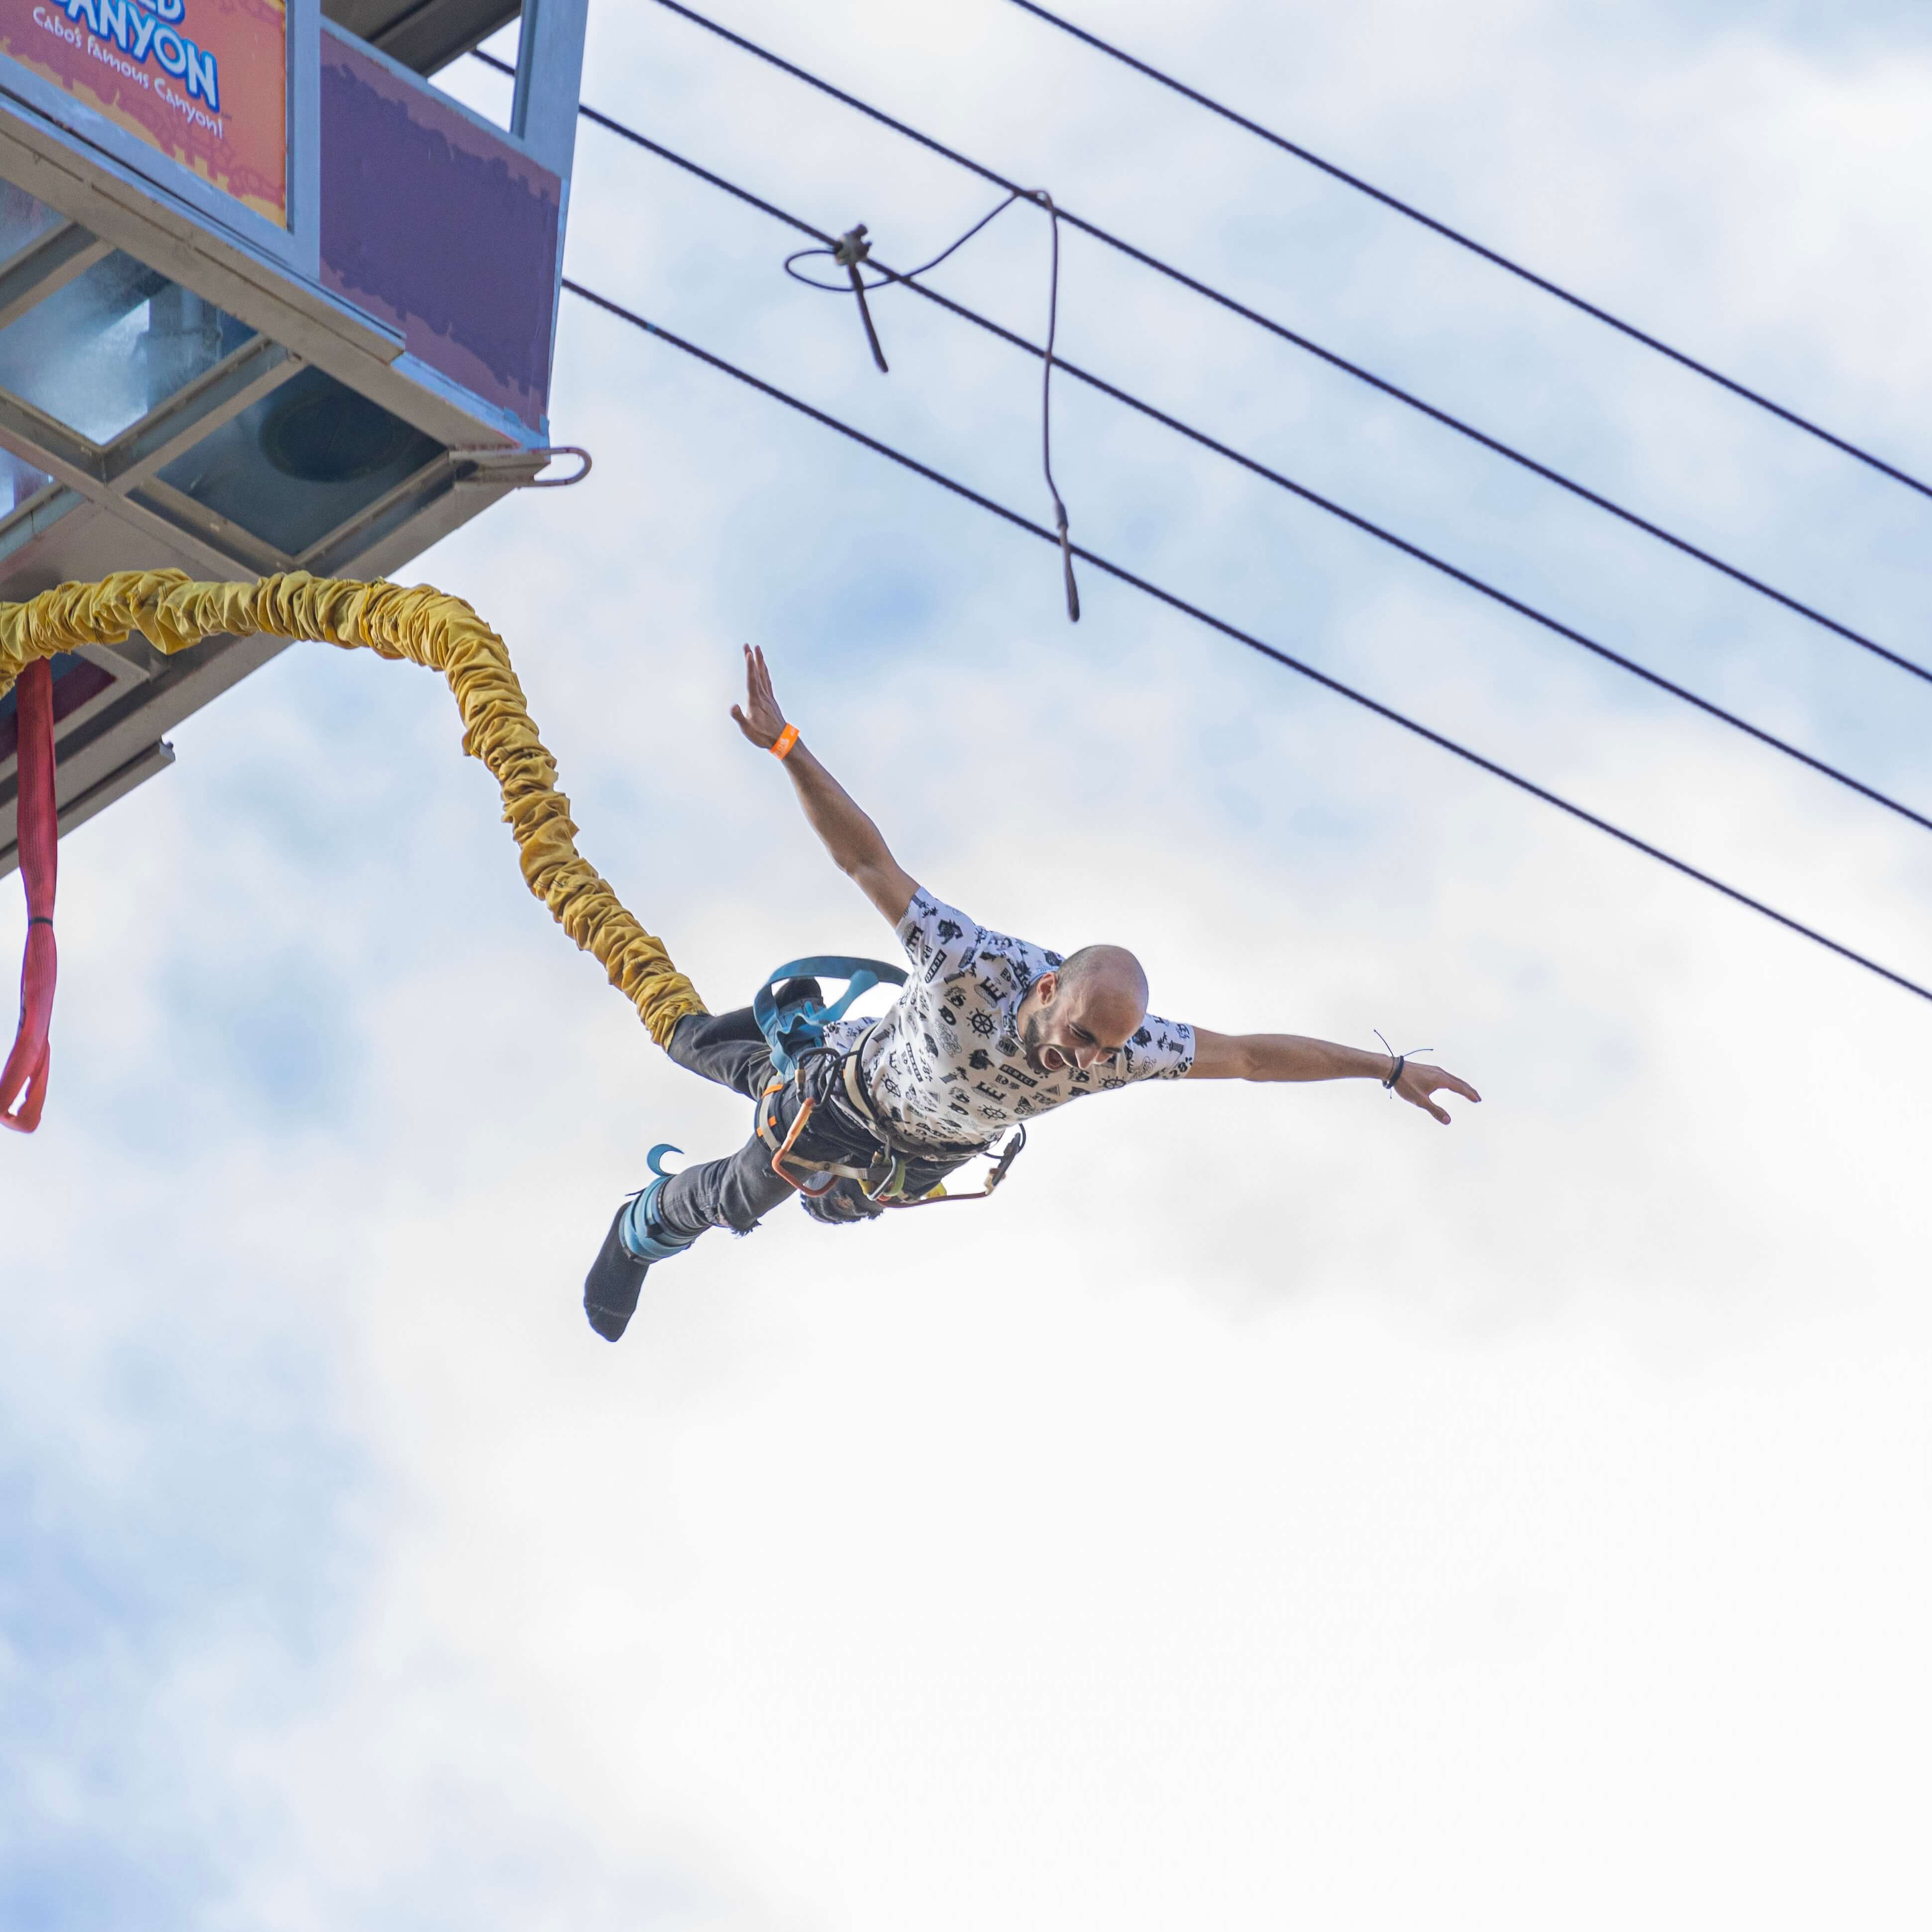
point(24, 1077)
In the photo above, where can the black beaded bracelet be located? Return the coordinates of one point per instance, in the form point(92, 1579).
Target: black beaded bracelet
point(1397, 1060)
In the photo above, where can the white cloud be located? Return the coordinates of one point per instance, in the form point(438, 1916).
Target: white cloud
point(1272, 1507)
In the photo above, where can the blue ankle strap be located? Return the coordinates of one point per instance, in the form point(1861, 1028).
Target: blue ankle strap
point(644, 1243)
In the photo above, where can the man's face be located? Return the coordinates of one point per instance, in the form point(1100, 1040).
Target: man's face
point(1084, 1027)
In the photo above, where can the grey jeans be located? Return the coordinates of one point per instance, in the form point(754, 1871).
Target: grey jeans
point(739, 1191)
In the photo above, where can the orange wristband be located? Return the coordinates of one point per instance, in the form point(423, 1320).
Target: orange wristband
point(782, 744)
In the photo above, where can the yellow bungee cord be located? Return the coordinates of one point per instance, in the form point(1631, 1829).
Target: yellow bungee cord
point(426, 627)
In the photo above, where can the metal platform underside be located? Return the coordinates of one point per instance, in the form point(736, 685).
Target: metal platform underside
point(174, 393)
point(195, 443)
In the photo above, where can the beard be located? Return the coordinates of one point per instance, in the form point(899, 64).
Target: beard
point(1030, 1038)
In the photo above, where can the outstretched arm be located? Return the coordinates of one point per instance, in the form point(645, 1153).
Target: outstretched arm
point(856, 846)
point(1289, 1056)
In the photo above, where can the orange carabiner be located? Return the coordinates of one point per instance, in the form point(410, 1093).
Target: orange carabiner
point(783, 1154)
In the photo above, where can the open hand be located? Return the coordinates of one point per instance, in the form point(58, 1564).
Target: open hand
point(1420, 1081)
point(761, 721)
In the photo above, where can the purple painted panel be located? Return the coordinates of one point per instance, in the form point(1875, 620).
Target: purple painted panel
point(439, 228)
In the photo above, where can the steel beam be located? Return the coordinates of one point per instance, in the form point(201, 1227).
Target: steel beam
point(55, 259)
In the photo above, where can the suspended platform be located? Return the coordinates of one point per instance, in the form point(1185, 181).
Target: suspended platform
point(269, 300)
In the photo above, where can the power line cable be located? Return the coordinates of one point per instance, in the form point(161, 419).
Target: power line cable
point(1149, 588)
point(1480, 585)
point(1381, 384)
point(1494, 257)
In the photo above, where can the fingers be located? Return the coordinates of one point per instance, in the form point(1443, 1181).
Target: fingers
point(759, 698)
point(1433, 1077)
point(1427, 1079)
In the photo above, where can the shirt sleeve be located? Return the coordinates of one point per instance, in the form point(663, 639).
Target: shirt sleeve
point(936, 936)
point(1162, 1050)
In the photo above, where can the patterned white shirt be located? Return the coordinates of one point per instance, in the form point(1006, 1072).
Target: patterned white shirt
point(945, 1066)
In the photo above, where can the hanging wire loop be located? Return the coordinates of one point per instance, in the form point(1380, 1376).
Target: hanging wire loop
point(854, 251)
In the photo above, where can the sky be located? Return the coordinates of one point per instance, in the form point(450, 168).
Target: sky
point(1274, 1508)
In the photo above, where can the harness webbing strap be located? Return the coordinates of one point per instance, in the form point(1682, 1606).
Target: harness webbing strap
point(855, 1090)
point(852, 1072)
point(24, 1078)
point(883, 1184)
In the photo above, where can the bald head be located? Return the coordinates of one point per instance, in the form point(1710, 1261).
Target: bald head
point(1111, 974)
point(1086, 1010)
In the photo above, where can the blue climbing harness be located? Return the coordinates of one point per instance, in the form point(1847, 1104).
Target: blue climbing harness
point(797, 1027)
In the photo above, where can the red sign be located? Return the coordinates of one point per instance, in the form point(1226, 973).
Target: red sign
point(205, 81)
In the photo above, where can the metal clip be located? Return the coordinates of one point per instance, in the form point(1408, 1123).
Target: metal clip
point(853, 249)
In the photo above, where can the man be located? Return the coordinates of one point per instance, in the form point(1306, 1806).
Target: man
point(988, 1034)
